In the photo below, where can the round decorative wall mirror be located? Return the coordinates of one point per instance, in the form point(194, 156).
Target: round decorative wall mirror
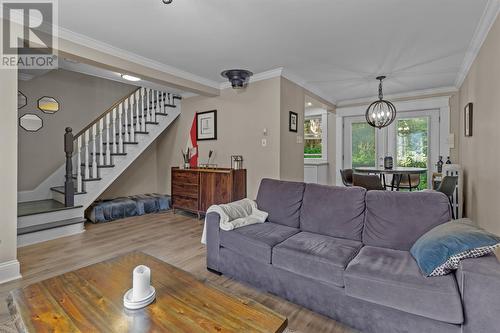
point(30, 122)
point(22, 100)
point(48, 104)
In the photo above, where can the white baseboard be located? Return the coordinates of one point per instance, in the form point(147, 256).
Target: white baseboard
point(9, 270)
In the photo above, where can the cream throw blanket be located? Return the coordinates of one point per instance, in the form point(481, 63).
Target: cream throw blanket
point(235, 214)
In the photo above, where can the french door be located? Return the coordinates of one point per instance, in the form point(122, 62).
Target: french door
point(412, 140)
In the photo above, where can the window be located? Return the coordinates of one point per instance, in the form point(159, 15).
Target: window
point(314, 137)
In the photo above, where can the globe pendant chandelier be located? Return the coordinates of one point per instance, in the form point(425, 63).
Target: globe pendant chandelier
point(380, 113)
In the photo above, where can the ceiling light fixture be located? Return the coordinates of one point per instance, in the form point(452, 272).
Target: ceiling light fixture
point(380, 113)
point(167, 2)
point(238, 77)
point(130, 78)
point(309, 104)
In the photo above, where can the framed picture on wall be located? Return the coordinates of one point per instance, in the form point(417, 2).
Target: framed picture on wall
point(206, 125)
point(468, 111)
point(293, 119)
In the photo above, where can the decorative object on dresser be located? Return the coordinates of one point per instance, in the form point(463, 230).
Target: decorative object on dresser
point(206, 125)
point(186, 156)
point(468, 116)
point(237, 162)
point(293, 119)
point(195, 190)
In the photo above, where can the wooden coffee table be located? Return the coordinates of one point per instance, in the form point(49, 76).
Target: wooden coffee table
point(91, 300)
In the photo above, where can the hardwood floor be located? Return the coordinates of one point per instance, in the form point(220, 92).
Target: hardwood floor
point(172, 238)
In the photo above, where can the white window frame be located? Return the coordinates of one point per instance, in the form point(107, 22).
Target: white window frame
point(437, 105)
point(317, 113)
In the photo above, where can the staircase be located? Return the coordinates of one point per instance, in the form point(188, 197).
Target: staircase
point(95, 157)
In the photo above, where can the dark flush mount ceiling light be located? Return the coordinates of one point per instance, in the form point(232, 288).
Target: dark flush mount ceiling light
point(167, 2)
point(238, 77)
point(380, 113)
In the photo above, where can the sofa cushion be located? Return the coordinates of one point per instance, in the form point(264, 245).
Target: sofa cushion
point(397, 219)
point(316, 256)
point(333, 211)
point(282, 200)
point(392, 278)
point(257, 240)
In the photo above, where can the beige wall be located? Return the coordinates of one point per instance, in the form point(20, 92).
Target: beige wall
point(8, 174)
point(82, 98)
point(242, 116)
point(139, 178)
point(291, 152)
point(479, 154)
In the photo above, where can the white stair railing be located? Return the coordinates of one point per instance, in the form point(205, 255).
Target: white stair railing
point(114, 129)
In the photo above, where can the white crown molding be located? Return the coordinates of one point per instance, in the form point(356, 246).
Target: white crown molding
point(277, 72)
point(304, 84)
point(483, 28)
point(9, 270)
point(120, 53)
point(406, 95)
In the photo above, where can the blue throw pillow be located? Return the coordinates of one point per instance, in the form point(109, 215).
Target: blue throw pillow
point(439, 251)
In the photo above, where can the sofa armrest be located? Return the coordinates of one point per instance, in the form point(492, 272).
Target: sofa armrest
point(213, 240)
point(479, 283)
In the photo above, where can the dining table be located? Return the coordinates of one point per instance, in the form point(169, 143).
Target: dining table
point(397, 174)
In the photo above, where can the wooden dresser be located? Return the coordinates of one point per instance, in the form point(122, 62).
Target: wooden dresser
point(195, 190)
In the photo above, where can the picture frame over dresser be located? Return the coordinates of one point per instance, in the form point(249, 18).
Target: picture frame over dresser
point(195, 190)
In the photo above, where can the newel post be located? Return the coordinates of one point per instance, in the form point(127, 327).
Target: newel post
point(69, 187)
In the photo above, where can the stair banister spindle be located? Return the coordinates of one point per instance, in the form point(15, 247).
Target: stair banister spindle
point(163, 102)
point(101, 142)
point(120, 127)
point(125, 115)
point(136, 107)
point(113, 138)
point(69, 186)
point(94, 151)
point(108, 129)
point(132, 121)
point(157, 106)
point(86, 157)
point(79, 182)
point(148, 103)
point(143, 121)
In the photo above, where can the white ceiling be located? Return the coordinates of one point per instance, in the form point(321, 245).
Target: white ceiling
point(336, 46)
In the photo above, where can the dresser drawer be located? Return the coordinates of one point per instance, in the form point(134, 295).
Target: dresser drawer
point(185, 177)
point(185, 190)
point(185, 203)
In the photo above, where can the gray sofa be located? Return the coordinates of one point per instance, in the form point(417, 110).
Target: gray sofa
point(344, 252)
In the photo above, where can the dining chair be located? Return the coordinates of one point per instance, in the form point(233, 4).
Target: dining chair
point(408, 181)
point(448, 186)
point(346, 175)
point(369, 182)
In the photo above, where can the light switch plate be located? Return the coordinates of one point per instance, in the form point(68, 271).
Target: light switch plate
point(264, 142)
point(300, 139)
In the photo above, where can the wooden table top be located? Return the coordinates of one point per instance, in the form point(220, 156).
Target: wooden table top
point(91, 300)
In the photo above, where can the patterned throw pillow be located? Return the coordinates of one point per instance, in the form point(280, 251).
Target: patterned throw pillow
point(440, 250)
point(454, 261)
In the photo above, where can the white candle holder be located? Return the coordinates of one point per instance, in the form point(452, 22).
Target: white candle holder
point(142, 293)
